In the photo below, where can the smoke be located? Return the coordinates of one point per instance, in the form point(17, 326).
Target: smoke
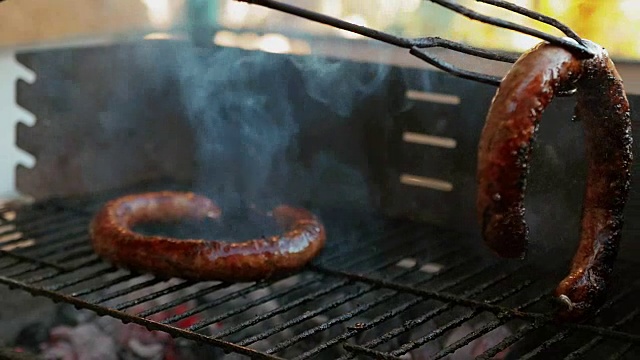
point(237, 106)
point(338, 84)
point(556, 187)
point(273, 128)
point(257, 117)
point(350, 189)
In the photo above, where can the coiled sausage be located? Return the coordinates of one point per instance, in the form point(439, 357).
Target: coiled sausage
point(196, 259)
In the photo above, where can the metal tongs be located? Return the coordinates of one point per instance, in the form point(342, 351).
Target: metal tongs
point(572, 42)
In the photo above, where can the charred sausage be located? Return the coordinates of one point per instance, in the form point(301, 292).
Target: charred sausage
point(506, 142)
point(603, 108)
point(196, 259)
point(505, 151)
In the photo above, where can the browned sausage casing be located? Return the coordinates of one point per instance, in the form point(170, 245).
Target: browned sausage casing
point(604, 110)
point(505, 150)
point(506, 141)
point(113, 239)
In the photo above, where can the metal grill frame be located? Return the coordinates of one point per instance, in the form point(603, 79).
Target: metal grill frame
point(47, 267)
point(57, 264)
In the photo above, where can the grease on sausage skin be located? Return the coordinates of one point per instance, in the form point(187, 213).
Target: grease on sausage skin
point(505, 151)
point(195, 259)
point(603, 108)
point(506, 142)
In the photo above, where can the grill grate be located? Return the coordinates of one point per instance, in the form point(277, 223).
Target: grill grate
point(378, 291)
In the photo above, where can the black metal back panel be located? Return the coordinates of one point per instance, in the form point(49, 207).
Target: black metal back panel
point(230, 121)
point(104, 118)
point(253, 126)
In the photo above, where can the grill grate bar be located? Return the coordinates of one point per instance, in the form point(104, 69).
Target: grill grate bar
point(397, 310)
point(360, 309)
point(296, 287)
point(43, 241)
point(288, 306)
point(126, 291)
point(595, 341)
point(324, 308)
point(456, 322)
point(23, 254)
point(149, 324)
point(60, 268)
point(405, 348)
point(264, 299)
point(11, 264)
point(76, 281)
point(105, 285)
point(39, 224)
point(405, 233)
point(49, 275)
point(621, 352)
point(483, 330)
point(61, 234)
point(66, 246)
point(30, 269)
point(50, 231)
point(510, 340)
point(25, 258)
point(157, 309)
point(77, 253)
point(243, 292)
point(341, 254)
point(635, 338)
point(431, 314)
point(372, 353)
point(42, 244)
point(219, 301)
point(153, 295)
point(441, 296)
point(184, 299)
point(610, 333)
point(562, 335)
point(547, 344)
point(92, 260)
point(496, 309)
point(53, 247)
point(33, 220)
